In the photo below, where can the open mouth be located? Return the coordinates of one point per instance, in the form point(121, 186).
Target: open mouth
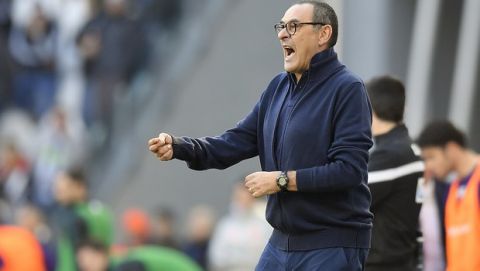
point(288, 51)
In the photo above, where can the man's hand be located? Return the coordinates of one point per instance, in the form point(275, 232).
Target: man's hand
point(262, 183)
point(161, 146)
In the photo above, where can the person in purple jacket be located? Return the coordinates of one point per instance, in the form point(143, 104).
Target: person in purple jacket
point(311, 131)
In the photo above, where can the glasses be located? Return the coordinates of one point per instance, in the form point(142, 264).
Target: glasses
point(292, 26)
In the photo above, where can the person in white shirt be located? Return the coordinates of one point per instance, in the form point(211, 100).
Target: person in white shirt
point(240, 236)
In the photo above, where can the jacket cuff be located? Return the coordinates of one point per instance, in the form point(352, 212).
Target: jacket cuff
point(182, 150)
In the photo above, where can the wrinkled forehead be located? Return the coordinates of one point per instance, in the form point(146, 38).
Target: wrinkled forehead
point(298, 12)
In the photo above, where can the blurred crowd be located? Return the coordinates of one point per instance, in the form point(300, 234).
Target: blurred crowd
point(77, 56)
point(77, 233)
point(63, 63)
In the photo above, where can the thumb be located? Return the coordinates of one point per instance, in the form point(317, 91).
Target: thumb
point(168, 139)
point(165, 138)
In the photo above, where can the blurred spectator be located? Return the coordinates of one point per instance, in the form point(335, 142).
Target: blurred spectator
point(151, 258)
point(71, 18)
point(60, 145)
point(5, 64)
point(136, 225)
point(19, 250)
point(78, 219)
point(16, 125)
point(240, 237)
point(444, 149)
point(432, 216)
point(394, 170)
point(31, 218)
point(113, 49)
point(164, 228)
point(200, 224)
point(14, 175)
point(93, 256)
point(33, 48)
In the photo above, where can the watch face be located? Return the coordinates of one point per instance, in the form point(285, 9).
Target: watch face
point(282, 181)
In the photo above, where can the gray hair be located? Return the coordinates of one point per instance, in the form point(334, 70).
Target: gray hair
point(324, 13)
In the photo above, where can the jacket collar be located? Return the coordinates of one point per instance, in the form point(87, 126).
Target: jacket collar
point(322, 65)
point(397, 132)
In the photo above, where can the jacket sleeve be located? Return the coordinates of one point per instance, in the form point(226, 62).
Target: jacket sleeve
point(348, 152)
point(222, 151)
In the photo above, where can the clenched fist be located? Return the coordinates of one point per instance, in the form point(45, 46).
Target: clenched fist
point(161, 146)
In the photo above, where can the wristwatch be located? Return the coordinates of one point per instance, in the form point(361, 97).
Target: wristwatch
point(282, 181)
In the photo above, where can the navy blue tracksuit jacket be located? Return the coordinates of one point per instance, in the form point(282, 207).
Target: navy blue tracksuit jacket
point(324, 135)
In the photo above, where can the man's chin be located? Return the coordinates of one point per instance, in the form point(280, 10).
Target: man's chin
point(288, 68)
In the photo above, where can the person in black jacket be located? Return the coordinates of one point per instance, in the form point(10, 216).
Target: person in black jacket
point(393, 172)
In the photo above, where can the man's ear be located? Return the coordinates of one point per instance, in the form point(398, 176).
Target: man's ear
point(324, 35)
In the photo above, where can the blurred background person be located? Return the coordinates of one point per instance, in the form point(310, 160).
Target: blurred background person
point(14, 177)
point(240, 237)
point(394, 170)
point(78, 218)
point(163, 232)
point(113, 49)
point(6, 63)
point(93, 256)
point(32, 45)
point(445, 151)
point(31, 218)
point(59, 145)
point(70, 17)
point(200, 225)
point(136, 227)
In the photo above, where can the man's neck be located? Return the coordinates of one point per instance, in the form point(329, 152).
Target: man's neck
point(382, 127)
point(298, 76)
point(465, 164)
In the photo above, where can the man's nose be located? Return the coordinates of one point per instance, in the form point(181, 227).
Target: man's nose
point(283, 34)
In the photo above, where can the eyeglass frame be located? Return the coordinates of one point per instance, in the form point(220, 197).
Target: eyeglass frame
point(283, 25)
